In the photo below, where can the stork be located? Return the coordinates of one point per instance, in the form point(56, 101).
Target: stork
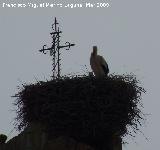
point(98, 64)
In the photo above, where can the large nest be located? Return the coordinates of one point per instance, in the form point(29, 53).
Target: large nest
point(83, 107)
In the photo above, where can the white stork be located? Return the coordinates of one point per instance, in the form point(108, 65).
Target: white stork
point(98, 64)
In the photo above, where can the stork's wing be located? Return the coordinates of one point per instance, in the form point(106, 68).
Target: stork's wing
point(104, 65)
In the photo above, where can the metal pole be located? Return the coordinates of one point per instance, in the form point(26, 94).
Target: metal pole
point(58, 54)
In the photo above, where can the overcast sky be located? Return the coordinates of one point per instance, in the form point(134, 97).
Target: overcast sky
point(127, 34)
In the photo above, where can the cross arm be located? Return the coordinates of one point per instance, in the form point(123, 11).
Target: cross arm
point(45, 49)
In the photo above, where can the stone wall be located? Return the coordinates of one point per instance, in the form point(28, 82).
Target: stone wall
point(34, 138)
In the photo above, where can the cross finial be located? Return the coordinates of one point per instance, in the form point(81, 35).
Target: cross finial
point(55, 49)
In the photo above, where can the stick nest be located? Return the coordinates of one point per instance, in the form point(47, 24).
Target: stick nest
point(84, 107)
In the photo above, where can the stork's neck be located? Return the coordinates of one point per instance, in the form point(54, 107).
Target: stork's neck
point(94, 53)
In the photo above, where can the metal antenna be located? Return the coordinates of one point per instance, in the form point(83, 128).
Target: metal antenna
point(55, 49)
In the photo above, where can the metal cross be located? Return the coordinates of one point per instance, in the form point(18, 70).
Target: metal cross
point(55, 49)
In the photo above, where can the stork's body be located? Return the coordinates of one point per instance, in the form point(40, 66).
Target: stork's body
point(98, 64)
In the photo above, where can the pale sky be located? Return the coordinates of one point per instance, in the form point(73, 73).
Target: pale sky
point(127, 34)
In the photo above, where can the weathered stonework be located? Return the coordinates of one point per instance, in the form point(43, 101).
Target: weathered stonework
point(34, 138)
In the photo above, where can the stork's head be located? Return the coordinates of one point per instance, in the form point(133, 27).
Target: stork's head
point(94, 50)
